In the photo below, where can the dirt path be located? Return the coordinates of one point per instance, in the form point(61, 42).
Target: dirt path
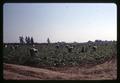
point(105, 71)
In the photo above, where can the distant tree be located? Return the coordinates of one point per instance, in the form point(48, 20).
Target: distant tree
point(32, 41)
point(21, 39)
point(75, 42)
point(48, 41)
point(98, 40)
point(28, 40)
point(89, 41)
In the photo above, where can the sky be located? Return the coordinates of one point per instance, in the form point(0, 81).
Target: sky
point(68, 22)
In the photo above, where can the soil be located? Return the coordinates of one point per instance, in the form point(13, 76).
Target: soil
point(104, 71)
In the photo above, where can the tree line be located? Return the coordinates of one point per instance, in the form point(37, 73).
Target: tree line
point(29, 40)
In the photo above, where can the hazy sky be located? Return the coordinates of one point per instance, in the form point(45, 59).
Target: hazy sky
point(67, 22)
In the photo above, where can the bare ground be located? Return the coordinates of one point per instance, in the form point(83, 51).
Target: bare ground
point(105, 71)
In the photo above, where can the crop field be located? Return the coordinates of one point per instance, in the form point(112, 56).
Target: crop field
point(50, 55)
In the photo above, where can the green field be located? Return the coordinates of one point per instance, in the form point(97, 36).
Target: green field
point(49, 55)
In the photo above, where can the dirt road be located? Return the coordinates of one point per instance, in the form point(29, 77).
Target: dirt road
point(105, 71)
